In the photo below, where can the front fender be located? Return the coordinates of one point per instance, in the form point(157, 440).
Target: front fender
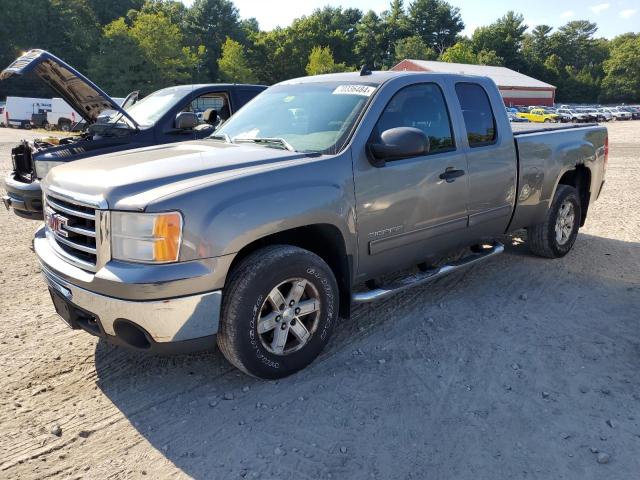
point(222, 219)
point(241, 221)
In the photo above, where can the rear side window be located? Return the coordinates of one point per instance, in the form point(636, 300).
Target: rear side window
point(478, 116)
point(420, 106)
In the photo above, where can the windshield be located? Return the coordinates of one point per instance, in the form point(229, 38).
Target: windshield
point(309, 117)
point(148, 111)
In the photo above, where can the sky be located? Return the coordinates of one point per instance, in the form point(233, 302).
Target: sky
point(613, 17)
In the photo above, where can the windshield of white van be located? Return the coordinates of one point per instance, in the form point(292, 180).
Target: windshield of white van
point(307, 117)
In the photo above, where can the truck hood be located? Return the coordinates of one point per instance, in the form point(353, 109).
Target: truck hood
point(78, 91)
point(131, 180)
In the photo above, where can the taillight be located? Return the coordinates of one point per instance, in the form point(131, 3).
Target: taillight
point(606, 150)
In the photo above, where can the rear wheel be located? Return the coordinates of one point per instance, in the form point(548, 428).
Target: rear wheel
point(279, 309)
point(554, 237)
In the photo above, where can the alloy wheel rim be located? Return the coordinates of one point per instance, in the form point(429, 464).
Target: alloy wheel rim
point(565, 222)
point(289, 316)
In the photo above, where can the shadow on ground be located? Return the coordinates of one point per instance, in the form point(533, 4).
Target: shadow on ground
point(510, 369)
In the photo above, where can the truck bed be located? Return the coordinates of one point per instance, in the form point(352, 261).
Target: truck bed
point(545, 153)
point(522, 128)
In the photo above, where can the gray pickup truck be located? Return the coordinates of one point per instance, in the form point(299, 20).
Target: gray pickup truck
point(262, 235)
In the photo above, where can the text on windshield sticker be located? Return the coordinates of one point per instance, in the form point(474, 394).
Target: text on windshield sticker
point(364, 90)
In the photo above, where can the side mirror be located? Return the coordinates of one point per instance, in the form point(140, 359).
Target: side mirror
point(397, 143)
point(186, 121)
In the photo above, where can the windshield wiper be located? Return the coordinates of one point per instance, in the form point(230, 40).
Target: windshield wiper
point(270, 142)
point(221, 136)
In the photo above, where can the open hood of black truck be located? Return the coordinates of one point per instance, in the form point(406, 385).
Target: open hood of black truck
point(84, 96)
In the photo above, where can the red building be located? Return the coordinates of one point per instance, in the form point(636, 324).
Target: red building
point(516, 88)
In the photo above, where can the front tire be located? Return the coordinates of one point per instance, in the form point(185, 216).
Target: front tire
point(279, 309)
point(555, 237)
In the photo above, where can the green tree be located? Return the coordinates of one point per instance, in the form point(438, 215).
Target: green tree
point(436, 21)
point(145, 56)
point(209, 23)
point(622, 70)
point(283, 52)
point(370, 41)
point(25, 25)
point(174, 10)
point(321, 61)
point(414, 48)
point(489, 57)
point(395, 26)
point(108, 11)
point(233, 65)
point(540, 41)
point(461, 52)
point(120, 65)
point(504, 37)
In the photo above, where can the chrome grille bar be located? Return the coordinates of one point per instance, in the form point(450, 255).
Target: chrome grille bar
point(82, 231)
point(75, 245)
point(72, 229)
point(57, 206)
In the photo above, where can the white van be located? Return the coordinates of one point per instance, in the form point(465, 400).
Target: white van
point(18, 110)
point(62, 116)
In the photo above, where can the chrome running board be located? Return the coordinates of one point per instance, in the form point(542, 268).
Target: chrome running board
point(426, 276)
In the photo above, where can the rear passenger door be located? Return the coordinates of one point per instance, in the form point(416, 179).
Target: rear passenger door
point(491, 160)
point(411, 209)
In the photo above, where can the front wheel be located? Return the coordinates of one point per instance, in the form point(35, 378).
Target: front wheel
point(554, 237)
point(279, 308)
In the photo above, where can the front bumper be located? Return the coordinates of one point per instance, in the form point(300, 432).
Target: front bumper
point(24, 198)
point(175, 324)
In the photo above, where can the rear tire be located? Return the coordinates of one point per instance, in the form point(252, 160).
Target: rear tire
point(555, 237)
point(261, 332)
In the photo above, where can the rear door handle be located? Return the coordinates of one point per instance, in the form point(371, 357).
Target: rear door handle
point(450, 174)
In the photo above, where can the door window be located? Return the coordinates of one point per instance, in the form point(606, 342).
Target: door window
point(212, 109)
point(420, 106)
point(478, 116)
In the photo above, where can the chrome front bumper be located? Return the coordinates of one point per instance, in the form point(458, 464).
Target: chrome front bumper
point(163, 321)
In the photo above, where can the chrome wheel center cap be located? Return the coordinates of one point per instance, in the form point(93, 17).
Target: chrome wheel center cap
point(287, 314)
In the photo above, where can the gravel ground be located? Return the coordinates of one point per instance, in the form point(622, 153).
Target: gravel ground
point(518, 368)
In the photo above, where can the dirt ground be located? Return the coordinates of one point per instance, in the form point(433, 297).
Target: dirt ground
point(518, 368)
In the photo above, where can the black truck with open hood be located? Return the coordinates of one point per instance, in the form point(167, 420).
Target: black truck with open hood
point(173, 114)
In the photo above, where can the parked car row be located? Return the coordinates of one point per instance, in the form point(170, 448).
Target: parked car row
point(260, 236)
point(573, 113)
point(601, 113)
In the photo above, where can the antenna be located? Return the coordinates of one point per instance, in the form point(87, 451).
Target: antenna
point(365, 70)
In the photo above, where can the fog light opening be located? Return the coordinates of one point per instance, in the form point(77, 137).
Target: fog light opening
point(131, 334)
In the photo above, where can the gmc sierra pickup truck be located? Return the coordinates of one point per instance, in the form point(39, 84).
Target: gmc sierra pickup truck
point(166, 116)
point(262, 235)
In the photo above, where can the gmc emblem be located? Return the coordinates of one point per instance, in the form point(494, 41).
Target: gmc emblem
point(57, 223)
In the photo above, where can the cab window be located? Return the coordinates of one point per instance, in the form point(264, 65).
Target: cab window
point(478, 116)
point(212, 109)
point(420, 106)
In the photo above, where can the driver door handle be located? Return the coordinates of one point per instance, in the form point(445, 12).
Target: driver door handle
point(450, 174)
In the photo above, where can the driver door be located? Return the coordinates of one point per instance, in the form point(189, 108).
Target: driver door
point(410, 210)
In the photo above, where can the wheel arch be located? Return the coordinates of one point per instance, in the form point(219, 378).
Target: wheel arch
point(579, 178)
point(323, 239)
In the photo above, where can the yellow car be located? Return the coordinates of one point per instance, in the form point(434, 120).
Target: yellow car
point(539, 115)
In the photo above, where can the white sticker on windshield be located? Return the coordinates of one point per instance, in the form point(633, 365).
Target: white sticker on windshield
point(364, 90)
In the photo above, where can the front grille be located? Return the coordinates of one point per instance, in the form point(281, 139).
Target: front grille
point(71, 227)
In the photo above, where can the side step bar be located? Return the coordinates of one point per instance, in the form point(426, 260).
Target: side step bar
point(426, 276)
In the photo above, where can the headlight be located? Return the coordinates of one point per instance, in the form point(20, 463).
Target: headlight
point(146, 237)
point(43, 167)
